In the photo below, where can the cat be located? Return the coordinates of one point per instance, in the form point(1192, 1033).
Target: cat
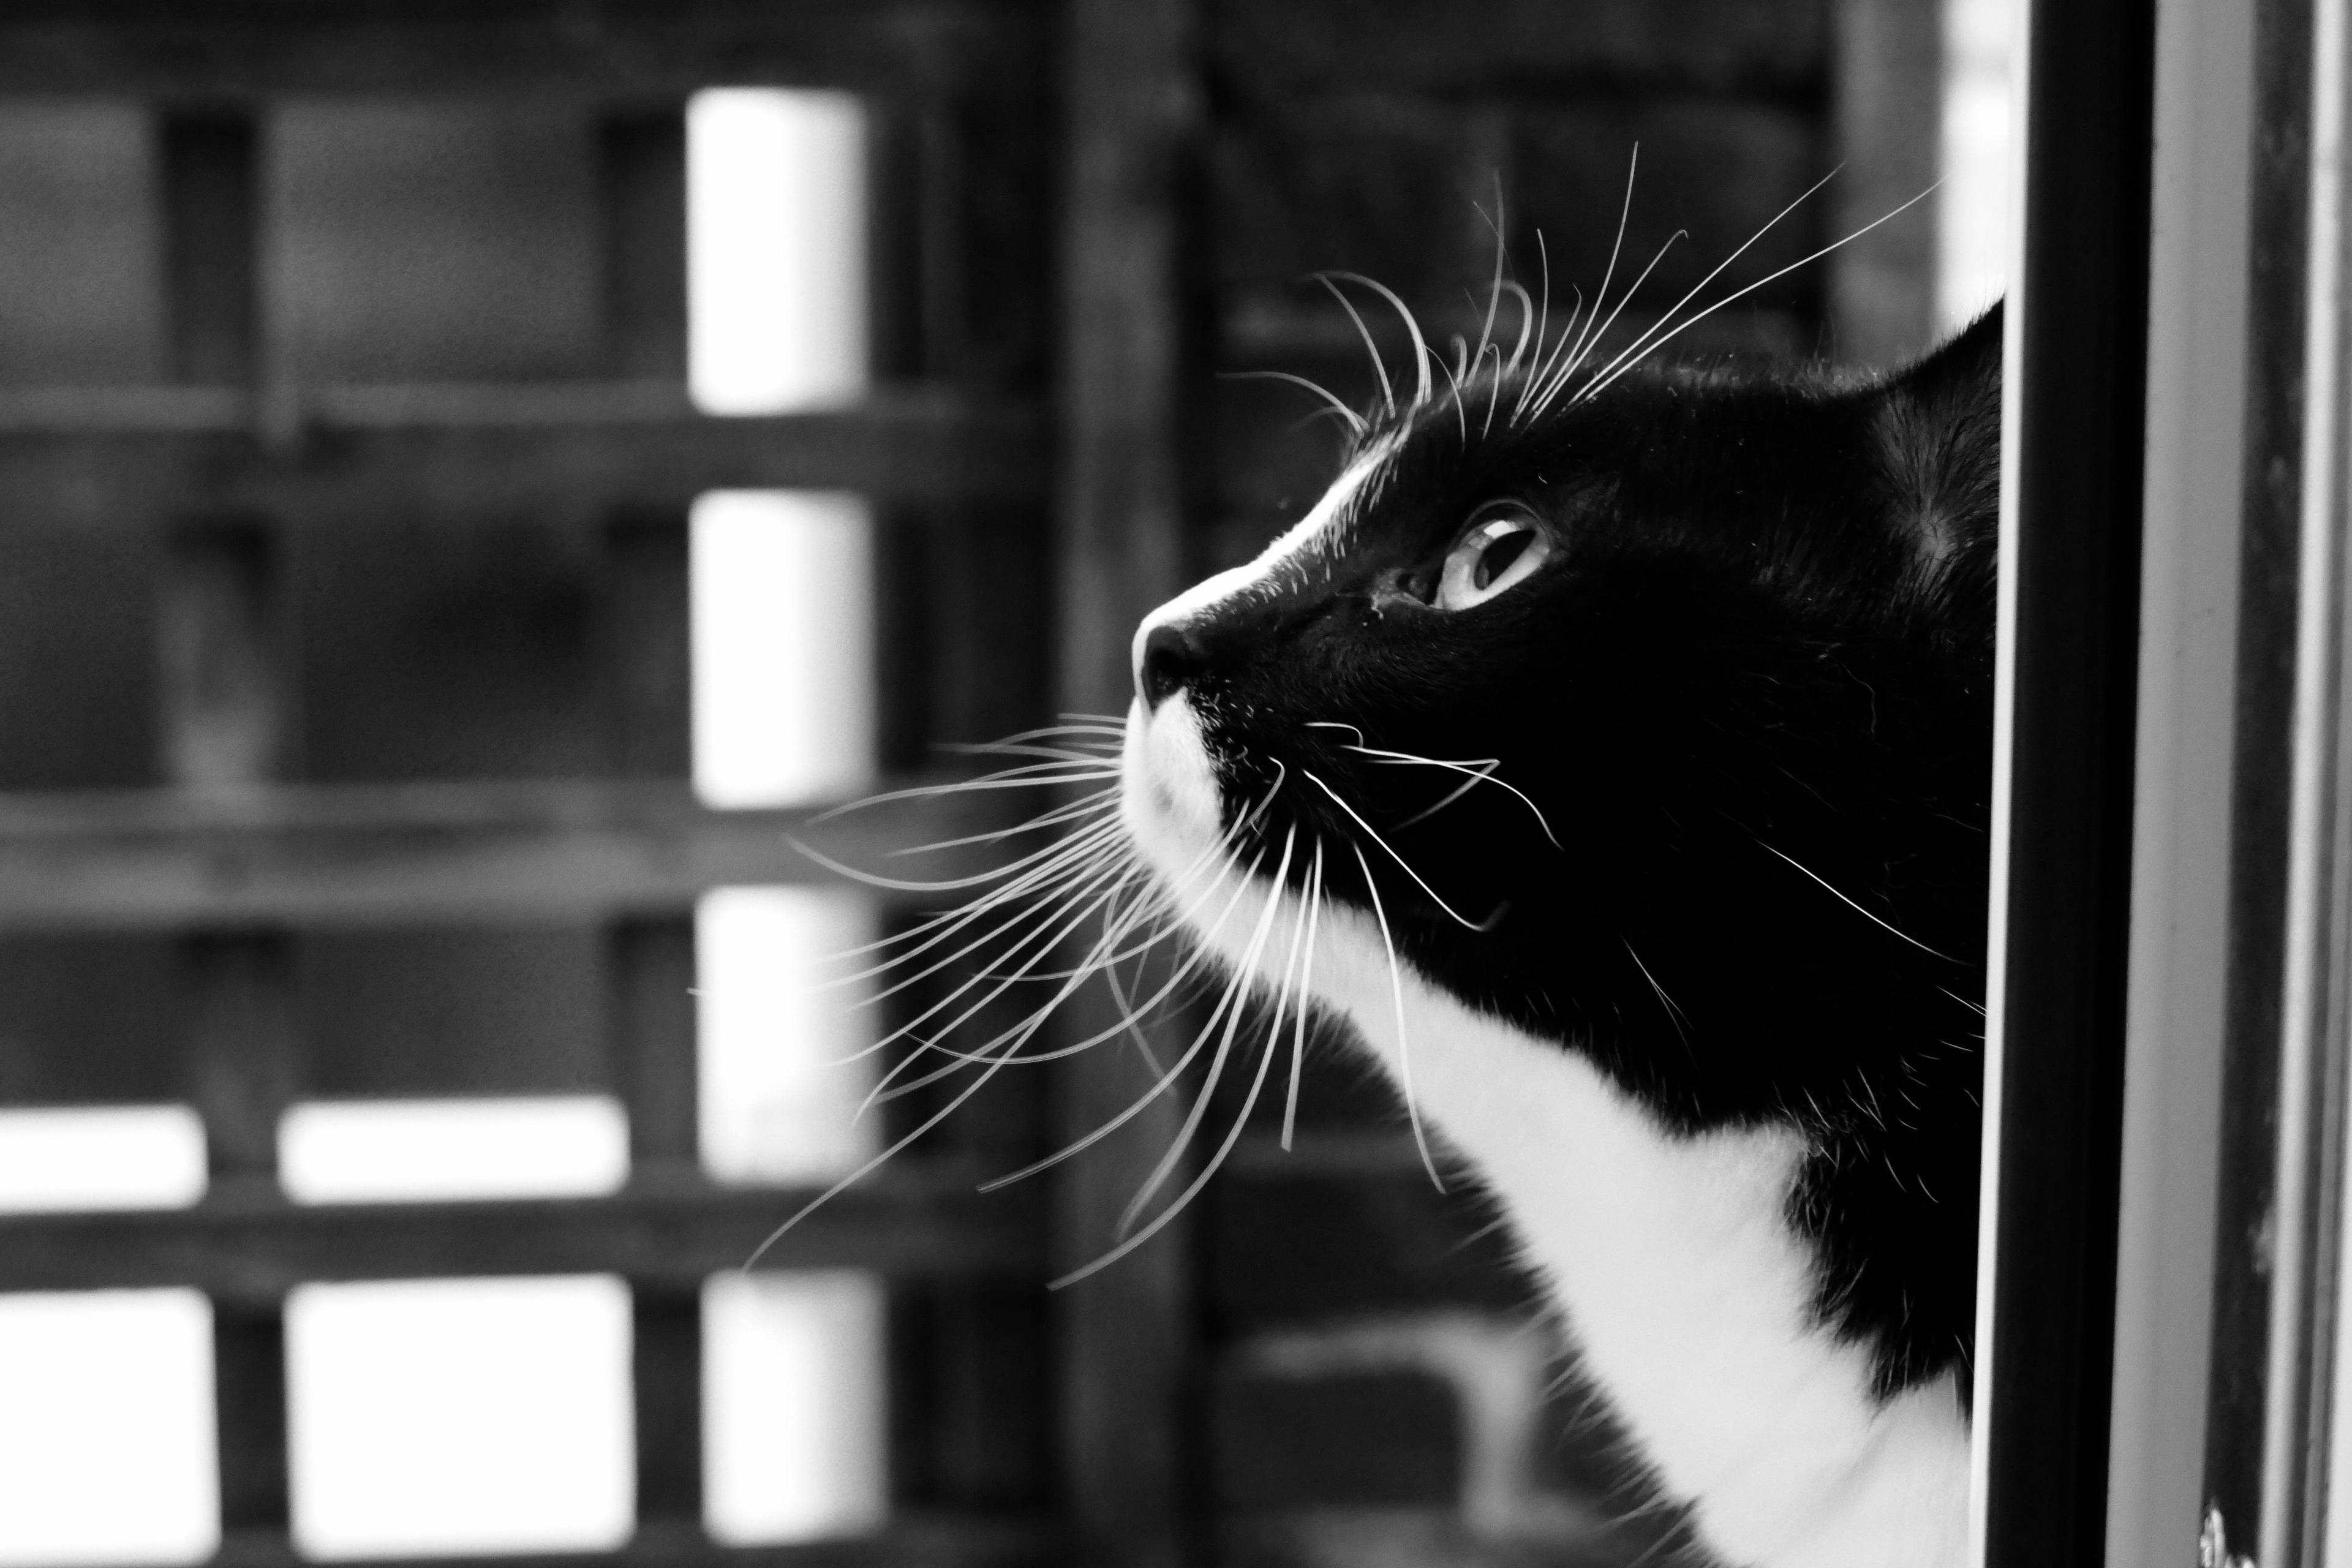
point(1609, 751)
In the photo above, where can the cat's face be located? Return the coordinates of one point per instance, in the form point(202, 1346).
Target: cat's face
point(1656, 725)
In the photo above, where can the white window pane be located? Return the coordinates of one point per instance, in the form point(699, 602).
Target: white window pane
point(782, 640)
point(106, 1428)
point(775, 245)
point(101, 1157)
point(793, 1403)
point(460, 1416)
point(1972, 203)
point(780, 1075)
point(380, 1150)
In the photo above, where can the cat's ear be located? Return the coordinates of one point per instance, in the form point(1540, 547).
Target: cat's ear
point(1938, 425)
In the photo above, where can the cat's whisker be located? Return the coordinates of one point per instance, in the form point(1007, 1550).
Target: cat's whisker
point(1130, 1017)
point(1396, 992)
point(1600, 385)
point(1483, 768)
point(1456, 793)
point(1035, 775)
point(1004, 1048)
point(1305, 995)
point(1624, 213)
point(1603, 376)
point(1454, 379)
point(1118, 921)
point(1056, 886)
point(1390, 851)
point(1356, 424)
point(894, 884)
point(1526, 324)
point(1421, 356)
point(1043, 940)
point(1182, 1200)
point(1096, 724)
point(1198, 959)
point(1576, 362)
point(1094, 804)
point(1494, 288)
point(1166, 1081)
point(1857, 909)
point(1380, 367)
point(955, 1104)
point(1543, 329)
point(1543, 313)
point(1494, 392)
point(1054, 742)
point(1236, 992)
point(1289, 993)
point(1071, 860)
point(1674, 1013)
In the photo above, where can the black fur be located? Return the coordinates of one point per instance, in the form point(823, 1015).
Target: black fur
point(1763, 641)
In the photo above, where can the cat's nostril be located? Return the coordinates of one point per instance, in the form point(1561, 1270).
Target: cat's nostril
point(1171, 657)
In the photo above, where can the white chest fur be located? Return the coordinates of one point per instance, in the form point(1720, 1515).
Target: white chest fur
point(1688, 1294)
point(1671, 1260)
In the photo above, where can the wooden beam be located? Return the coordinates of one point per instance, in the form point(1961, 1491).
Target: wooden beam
point(224, 719)
point(386, 854)
point(208, 49)
point(1286, 48)
point(94, 457)
point(1132, 123)
point(927, 1540)
point(245, 1244)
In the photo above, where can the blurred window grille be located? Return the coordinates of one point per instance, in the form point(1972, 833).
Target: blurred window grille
point(459, 1415)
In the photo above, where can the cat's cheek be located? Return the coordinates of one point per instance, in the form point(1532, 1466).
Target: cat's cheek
point(1167, 792)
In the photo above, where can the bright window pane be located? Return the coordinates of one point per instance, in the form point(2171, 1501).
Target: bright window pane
point(101, 1157)
point(363, 1150)
point(782, 587)
point(775, 234)
point(454, 1416)
point(793, 1405)
point(106, 1428)
point(1972, 203)
point(781, 1082)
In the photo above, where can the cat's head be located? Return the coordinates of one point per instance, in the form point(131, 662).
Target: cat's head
point(1655, 721)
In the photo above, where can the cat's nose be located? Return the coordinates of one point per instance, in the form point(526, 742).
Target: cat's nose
point(1166, 656)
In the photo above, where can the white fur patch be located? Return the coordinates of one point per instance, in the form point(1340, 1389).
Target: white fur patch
point(1671, 1258)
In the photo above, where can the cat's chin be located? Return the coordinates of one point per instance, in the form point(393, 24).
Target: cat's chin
point(1168, 788)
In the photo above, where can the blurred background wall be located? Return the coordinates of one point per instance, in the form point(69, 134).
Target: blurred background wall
point(474, 479)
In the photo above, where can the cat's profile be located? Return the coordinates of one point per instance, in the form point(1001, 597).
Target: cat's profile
point(1609, 750)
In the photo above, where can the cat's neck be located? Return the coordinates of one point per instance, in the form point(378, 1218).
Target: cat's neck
point(1688, 1295)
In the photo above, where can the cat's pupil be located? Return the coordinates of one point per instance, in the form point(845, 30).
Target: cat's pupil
point(1496, 558)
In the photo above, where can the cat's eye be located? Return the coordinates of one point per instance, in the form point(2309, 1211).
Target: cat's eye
point(1496, 554)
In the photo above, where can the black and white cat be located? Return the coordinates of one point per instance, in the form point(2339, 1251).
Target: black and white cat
point(1609, 750)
